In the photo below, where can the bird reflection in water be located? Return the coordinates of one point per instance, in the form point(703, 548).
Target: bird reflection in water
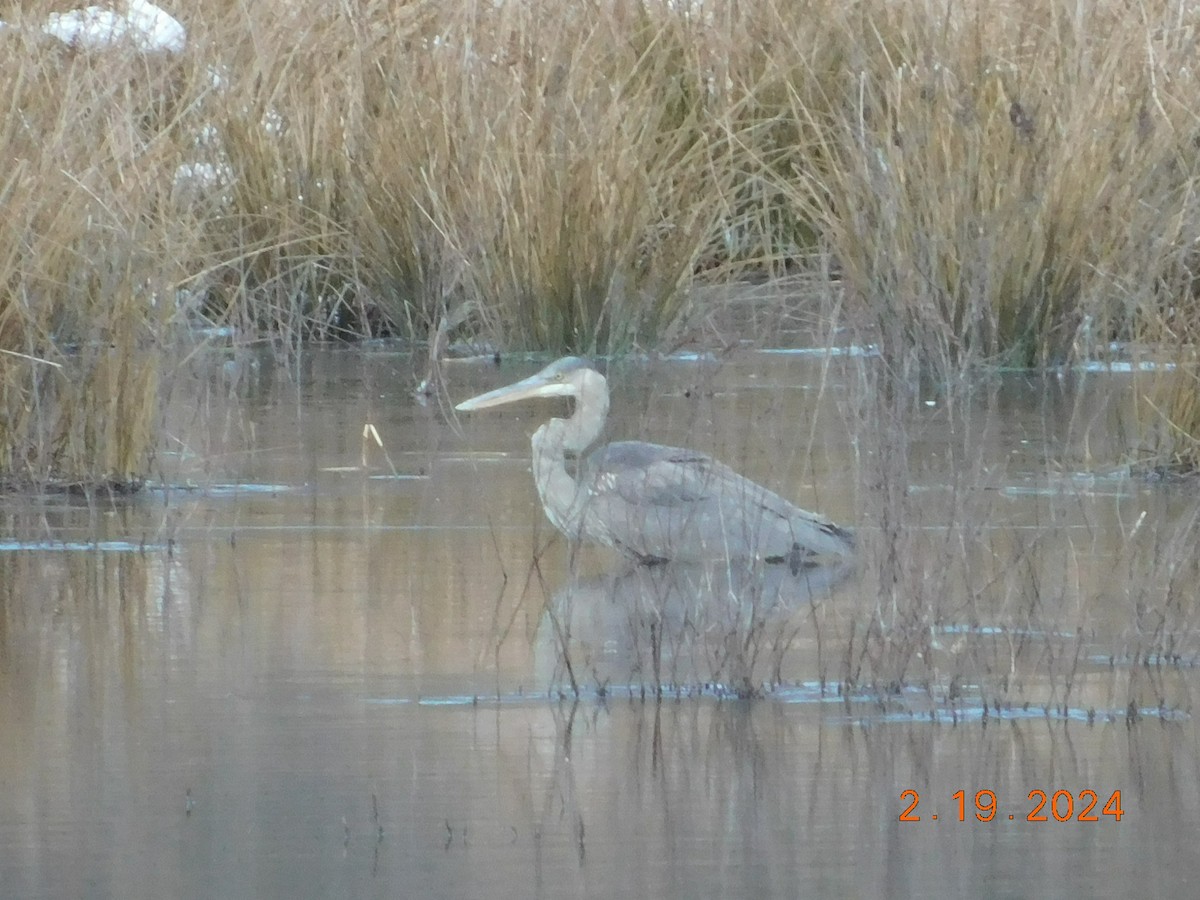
point(679, 627)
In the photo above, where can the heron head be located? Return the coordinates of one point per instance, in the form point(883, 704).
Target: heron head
point(566, 377)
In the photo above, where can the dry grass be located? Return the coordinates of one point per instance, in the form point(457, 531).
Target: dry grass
point(394, 164)
point(86, 263)
point(1167, 404)
point(998, 183)
point(1004, 183)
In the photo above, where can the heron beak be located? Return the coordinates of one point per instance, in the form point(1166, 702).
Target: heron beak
point(534, 386)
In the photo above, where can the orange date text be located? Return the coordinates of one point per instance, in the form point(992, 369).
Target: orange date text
point(1042, 806)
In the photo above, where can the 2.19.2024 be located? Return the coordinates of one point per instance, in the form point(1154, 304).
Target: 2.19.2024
point(1060, 806)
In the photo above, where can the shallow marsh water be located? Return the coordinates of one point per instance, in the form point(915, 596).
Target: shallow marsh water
point(304, 665)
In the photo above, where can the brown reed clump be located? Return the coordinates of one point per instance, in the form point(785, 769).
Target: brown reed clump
point(1001, 183)
point(312, 171)
point(86, 267)
point(385, 166)
point(568, 190)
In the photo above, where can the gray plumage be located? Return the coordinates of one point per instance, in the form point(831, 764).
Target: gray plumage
point(652, 502)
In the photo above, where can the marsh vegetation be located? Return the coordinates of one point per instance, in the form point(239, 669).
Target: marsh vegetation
point(964, 186)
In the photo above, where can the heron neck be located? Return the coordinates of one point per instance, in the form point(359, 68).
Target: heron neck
point(581, 429)
point(562, 496)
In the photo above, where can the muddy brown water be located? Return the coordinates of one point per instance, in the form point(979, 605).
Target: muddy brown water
point(300, 664)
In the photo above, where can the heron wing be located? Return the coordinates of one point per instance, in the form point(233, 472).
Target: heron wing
point(666, 495)
point(652, 475)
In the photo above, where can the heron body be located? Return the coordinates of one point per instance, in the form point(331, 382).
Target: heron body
point(651, 502)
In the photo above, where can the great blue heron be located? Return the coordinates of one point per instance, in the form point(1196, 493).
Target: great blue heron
point(651, 502)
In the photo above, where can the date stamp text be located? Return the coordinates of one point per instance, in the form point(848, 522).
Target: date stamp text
point(1057, 806)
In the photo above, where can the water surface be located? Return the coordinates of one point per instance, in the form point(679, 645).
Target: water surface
point(302, 664)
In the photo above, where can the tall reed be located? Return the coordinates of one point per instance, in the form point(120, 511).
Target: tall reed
point(85, 263)
point(1000, 183)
